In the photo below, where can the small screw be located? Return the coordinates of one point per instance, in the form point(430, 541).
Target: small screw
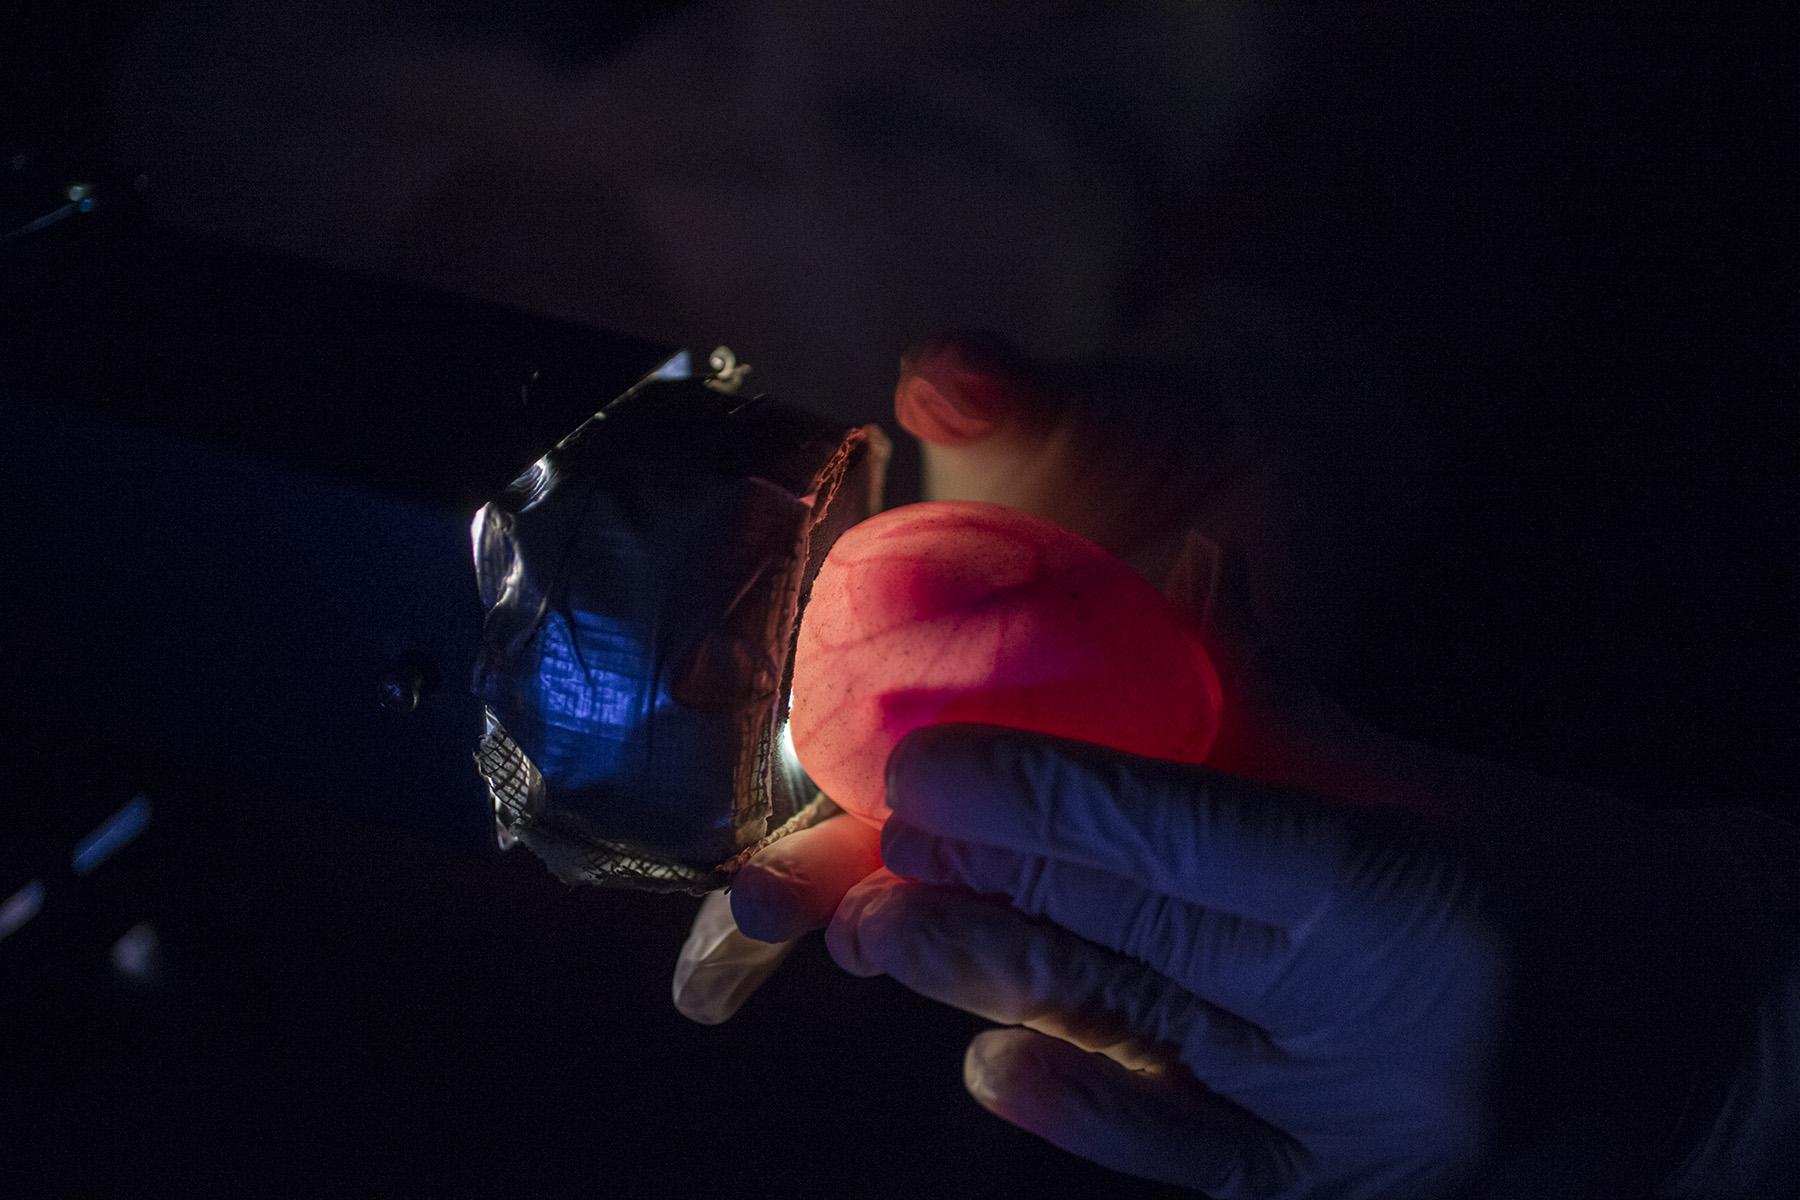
point(398, 694)
point(405, 683)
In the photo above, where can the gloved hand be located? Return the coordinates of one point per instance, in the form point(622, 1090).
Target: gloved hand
point(1497, 983)
point(1276, 728)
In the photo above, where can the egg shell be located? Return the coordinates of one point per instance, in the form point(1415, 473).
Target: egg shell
point(958, 611)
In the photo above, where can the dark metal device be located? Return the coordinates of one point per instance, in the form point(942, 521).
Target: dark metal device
point(644, 583)
point(239, 490)
point(237, 494)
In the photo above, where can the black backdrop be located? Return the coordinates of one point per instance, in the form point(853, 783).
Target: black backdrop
point(1576, 245)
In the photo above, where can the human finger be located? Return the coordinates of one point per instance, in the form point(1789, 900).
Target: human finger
point(794, 885)
point(1215, 840)
point(1156, 1124)
point(1229, 960)
point(982, 956)
point(719, 968)
point(961, 386)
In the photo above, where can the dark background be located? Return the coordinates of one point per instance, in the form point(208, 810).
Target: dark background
point(1567, 241)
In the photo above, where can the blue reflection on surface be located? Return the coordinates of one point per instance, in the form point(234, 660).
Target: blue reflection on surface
point(596, 687)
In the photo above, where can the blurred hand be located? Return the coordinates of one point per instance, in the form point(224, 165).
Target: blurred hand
point(1259, 993)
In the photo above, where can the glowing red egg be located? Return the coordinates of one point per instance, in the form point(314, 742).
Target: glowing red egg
point(957, 611)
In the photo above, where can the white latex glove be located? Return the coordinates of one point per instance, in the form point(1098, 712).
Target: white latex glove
point(1276, 727)
point(1520, 987)
point(740, 937)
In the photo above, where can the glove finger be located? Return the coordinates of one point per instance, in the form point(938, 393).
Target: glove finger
point(794, 886)
point(719, 967)
point(961, 386)
point(1215, 840)
point(983, 957)
point(1229, 960)
point(1156, 1124)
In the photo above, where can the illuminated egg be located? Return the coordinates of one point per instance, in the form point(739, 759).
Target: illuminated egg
point(958, 611)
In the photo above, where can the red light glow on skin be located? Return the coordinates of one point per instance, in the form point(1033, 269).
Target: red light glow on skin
point(959, 611)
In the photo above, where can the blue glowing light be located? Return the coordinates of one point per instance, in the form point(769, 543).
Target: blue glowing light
point(112, 835)
point(593, 687)
point(679, 366)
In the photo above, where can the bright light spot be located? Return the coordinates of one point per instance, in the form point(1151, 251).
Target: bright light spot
point(475, 524)
point(788, 753)
point(680, 366)
point(112, 835)
point(134, 953)
point(20, 907)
